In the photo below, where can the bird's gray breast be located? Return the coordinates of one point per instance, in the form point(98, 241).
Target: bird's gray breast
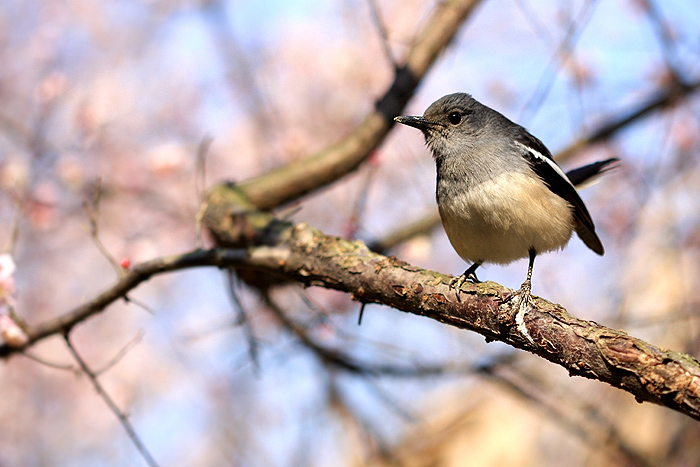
point(464, 170)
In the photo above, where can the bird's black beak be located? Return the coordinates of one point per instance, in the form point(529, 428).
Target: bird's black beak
point(416, 122)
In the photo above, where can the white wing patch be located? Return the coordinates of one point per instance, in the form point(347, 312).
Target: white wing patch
point(549, 161)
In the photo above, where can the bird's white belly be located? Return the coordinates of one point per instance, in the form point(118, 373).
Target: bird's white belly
point(500, 220)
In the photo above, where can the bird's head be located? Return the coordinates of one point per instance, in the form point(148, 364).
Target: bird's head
point(453, 121)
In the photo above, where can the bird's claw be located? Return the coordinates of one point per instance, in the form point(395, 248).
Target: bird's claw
point(523, 307)
point(457, 281)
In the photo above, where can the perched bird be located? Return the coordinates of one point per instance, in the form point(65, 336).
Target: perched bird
point(500, 194)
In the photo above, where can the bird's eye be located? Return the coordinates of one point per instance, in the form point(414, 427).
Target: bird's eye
point(455, 118)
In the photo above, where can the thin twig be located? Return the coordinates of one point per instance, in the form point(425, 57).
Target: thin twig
point(537, 25)
point(664, 34)
point(140, 304)
point(423, 226)
point(381, 29)
point(135, 276)
point(243, 321)
point(322, 315)
point(657, 100)
point(347, 363)
point(123, 419)
point(200, 166)
point(54, 365)
point(361, 313)
point(92, 208)
point(121, 354)
point(572, 34)
point(16, 224)
point(200, 183)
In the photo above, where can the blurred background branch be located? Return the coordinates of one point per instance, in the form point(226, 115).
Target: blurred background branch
point(310, 173)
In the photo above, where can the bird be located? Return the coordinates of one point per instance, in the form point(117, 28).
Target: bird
point(500, 194)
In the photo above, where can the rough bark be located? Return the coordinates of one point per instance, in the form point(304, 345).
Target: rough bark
point(256, 241)
point(585, 348)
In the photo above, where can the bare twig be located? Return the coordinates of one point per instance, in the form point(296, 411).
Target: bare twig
point(16, 225)
point(138, 274)
point(121, 354)
point(243, 321)
point(123, 419)
point(54, 365)
point(200, 180)
point(422, 226)
point(338, 360)
point(140, 304)
point(381, 29)
point(572, 34)
point(361, 313)
point(658, 100)
point(537, 25)
point(92, 208)
point(664, 34)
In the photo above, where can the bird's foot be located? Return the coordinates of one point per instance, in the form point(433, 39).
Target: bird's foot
point(457, 282)
point(524, 305)
point(524, 291)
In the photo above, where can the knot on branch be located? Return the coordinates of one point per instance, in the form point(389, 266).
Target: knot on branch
point(234, 222)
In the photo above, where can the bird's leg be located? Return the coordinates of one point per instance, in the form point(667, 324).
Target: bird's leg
point(527, 285)
point(524, 302)
point(469, 274)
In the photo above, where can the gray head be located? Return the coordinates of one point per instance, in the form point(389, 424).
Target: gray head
point(469, 140)
point(459, 123)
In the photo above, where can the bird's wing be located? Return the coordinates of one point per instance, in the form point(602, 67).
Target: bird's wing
point(541, 162)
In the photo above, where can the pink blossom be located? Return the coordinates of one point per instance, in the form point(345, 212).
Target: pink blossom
point(7, 279)
point(11, 333)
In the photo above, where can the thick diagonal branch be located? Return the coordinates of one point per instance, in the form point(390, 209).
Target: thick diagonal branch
point(584, 348)
point(303, 254)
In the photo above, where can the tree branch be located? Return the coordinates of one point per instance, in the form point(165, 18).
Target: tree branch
point(584, 348)
point(132, 279)
point(665, 97)
point(121, 416)
point(298, 252)
point(303, 176)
